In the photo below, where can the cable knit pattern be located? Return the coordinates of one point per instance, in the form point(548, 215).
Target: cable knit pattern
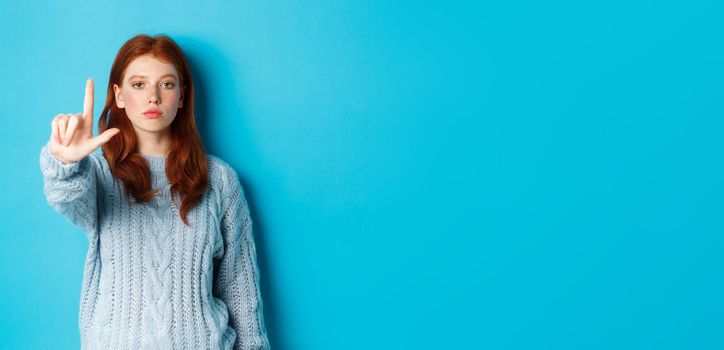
point(149, 281)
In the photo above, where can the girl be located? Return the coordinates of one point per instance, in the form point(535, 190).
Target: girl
point(171, 260)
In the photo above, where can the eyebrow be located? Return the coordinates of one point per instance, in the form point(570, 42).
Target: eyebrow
point(143, 76)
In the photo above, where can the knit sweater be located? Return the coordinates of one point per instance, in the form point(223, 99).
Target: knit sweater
point(150, 281)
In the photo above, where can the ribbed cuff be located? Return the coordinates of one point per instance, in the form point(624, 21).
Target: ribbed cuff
point(53, 168)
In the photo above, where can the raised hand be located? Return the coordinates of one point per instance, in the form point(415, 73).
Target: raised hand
point(71, 137)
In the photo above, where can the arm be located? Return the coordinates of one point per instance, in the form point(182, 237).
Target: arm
point(237, 281)
point(70, 188)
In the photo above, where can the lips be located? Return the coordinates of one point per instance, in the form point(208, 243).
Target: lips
point(152, 113)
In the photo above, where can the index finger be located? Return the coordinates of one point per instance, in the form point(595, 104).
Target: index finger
point(88, 101)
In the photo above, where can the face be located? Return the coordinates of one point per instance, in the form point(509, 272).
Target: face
point(149, 83)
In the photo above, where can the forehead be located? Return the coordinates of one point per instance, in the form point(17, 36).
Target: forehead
point(149, 66)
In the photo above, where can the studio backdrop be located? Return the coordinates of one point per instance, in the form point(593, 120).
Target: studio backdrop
point(421, 175)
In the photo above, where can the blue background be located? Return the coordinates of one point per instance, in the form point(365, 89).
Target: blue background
point(422, 175)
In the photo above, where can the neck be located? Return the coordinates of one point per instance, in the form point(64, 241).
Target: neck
point(153, 144)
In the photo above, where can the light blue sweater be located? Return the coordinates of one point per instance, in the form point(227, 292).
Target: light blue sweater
point(151, 282)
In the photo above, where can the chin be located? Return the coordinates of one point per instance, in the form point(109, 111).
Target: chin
point(142, 126)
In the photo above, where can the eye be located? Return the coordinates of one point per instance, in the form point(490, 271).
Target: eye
point(169, 84)
point(134, 84)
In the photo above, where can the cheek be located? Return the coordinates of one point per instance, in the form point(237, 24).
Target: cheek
point(173, 96)
point(134, 100)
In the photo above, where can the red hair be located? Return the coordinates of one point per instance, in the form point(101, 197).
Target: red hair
point(186, 163)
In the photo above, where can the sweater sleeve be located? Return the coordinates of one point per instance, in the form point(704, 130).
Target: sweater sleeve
point(70, 188)
point(236, 282)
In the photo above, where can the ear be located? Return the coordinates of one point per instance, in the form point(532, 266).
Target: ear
point(119, 97)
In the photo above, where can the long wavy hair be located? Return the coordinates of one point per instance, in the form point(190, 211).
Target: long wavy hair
point(186, 163)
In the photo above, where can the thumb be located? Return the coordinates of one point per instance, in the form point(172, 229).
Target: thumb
point(104, 137)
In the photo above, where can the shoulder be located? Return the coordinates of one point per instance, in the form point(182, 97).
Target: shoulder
point(223, 176)
point(224, 182)
point(98, 161)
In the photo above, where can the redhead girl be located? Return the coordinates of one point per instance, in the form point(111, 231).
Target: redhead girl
point(171, 260)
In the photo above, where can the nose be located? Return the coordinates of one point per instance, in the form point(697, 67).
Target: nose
point(154, 97)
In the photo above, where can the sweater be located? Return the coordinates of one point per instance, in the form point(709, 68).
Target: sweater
point(150, 281)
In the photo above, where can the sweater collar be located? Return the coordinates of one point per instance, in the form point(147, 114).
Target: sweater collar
point(156, 163)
